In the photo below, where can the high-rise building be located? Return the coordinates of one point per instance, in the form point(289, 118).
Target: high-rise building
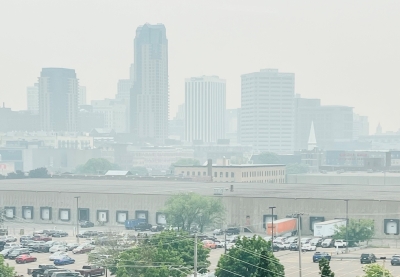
point(32, 97)
point(205, 107)
point(176, 126)
point(115, 113)
point(124, 89)
point(81, 96)
point(332, 124)
point(360, 126)
point(58, 99)
point(267, 112)
point(149, 95)
point(232, 122)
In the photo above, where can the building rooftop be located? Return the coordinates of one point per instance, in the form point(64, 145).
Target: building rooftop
point(175, 185)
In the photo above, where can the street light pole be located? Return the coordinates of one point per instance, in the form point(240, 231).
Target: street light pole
point(272, 225)
point(77, 218)
point(195, 255)
point(347, 224)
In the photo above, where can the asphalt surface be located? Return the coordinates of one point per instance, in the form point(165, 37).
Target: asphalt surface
point(341, 264)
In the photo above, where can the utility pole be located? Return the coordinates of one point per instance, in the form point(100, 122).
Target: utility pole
point(225, 241)
point(195, 255)
point(272, 225)
point(347, 225)
point(298, 216)
point(77, 218)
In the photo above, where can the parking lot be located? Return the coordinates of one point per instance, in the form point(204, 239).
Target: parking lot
point(342, 264)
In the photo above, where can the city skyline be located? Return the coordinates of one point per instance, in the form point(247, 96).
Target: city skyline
point(328, 50)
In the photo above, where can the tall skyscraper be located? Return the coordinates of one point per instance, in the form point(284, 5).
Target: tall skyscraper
point(81, 96)
point(149, 95)
point(267, 115)
point(32, 97)
point(58, 99)
point(205, 107)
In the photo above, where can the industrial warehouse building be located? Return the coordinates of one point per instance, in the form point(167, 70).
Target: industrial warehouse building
point(53, 200)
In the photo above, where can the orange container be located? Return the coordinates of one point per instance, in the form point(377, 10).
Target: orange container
point(282, 226)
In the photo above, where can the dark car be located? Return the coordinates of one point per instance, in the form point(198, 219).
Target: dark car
point(2, 243)
point(157, 228)
point(275, 248)
point(367, 258)
point(86, 224)
point(232, 231)
point(142, 226)
point(294, 246)
point(25, 238)
point(395, 260)
point(59, 234)
point(42, 268)
point(16, 252)
point(320, 255)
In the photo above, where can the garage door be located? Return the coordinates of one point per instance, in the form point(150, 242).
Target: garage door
point(161, 219)
point(141, 215)
point(64, 215)
point(27, 213)
point(45, 213)
point(391, 227)
point(103, 216)
point(9, 213)
point(121, 217)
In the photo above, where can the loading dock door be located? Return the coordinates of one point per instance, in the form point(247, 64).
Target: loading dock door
point(64, 215)
point(121, 217)
point(391, 227)
point(84, 214)
point(103, 216)
point(45, 213)
point(27, 213)
point(9, 213)
point(161, 219)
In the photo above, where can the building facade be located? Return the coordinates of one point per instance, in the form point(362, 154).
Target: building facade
point(82, 96)
point(115, 113)
point(32, 97)
point(58, 99)
point(360, 126)
point(124, 89)
point(267, 112)
point(149, 103)
point(205, 106)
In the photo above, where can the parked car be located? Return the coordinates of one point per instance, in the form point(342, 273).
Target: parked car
point(59, 234)
point(320, 255)
point(5, 252)
point(91, 270)
point(11, 245)
point(88, 234)
point(58, 248)
point(25, 258)
point(209, 244)
point(157, 228)
point(316, 241)
point(280, 245)
point(10, 239)
point(279, 239)
point(17, 251)
point(294, 246)
point(232, 231)
point(83, 249)
point(72, 246)
point(308, 247)
point(395, 260)
point(50, 272)
point(328, 243)
point(57, 255)
point(2, 243)
point(340, 243)
point(218, 232)
point(220, 243)
point(42, 238)
point(367, 258)
point(66, 274)
point(86, 224)
point(64, 261)
point(25, 238)
point(305, 240)
point(142, 226)
point(37, 272)
point(275, 248)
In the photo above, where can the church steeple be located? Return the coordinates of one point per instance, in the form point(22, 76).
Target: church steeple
point(312, 140)
point(378, 129)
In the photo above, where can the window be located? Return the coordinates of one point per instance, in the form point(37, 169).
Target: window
point(215, 174)
point(188, 173)
point(226, 174)
point(199, 173)
point(232, 174)
point(221, 174)
point(193, 173)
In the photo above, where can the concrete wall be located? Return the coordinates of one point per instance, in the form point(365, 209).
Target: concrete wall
point(367, 179)
point(241, 211)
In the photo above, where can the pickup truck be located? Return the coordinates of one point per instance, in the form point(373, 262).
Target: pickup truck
point(142, 226)
point(37, 272)
point(91, 270)
point(340, 243)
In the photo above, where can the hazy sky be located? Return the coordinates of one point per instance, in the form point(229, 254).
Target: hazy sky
point(344, 52)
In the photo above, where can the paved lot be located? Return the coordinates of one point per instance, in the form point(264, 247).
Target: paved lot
point(342, 264)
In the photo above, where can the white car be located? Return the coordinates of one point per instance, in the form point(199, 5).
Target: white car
point(305, 240)
point(308, 247)
point(217, 232)
point(11, 245)
point(58, 255)
point(279, 239)
point(220, 244)
point(340, 243)
point(58, 248)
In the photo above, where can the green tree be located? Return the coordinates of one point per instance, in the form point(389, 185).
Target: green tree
point(185, 209)
point(166, 254)
point(376, 270)
point(296, 168)
point(96, 166)
point(39, 173)
point(250, 257)
point(266, 158)
point(358, 230)
point(139, 171)
point(325, 269)
point(5, 269)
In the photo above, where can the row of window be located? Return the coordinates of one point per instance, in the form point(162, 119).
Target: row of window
point(263, 173)
point(64, 214)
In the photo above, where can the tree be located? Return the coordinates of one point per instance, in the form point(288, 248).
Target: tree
point(250, 257)
point(325, 269)
point(376, 270)
point(5, 269)
point(266, 158)
point(185, 209)
point(166, 254)
point(39, 173)
point(358, 230)
point(2, 215)
point(296, 168)
point(96, 166)
point(16, 175)
point(139, 171)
